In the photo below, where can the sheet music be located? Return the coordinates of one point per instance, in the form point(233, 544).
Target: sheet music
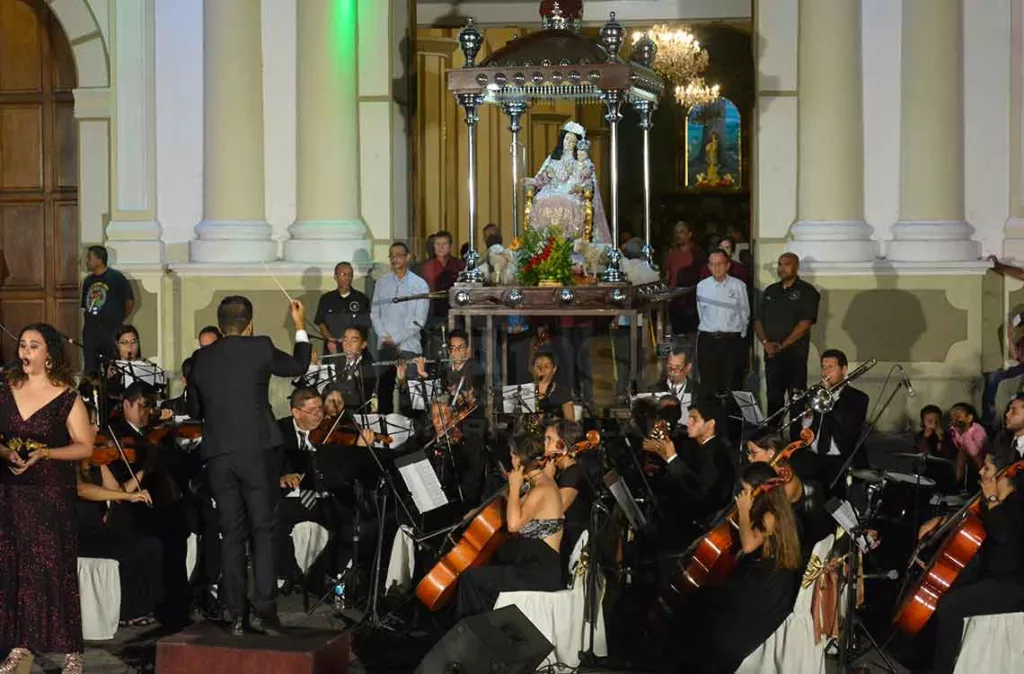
point(422, 482)
point(141, 370)
point(749, 408)
point(423, 392)
point(318, 377)
point(519, 398)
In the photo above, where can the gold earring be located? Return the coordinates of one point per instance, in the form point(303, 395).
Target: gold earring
point(49, 363)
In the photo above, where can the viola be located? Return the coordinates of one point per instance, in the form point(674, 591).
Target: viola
point(105, 452)
point(711, 558)
point(962, 536)
point(330, 432)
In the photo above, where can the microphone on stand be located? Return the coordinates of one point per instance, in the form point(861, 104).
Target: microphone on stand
point(906, 382)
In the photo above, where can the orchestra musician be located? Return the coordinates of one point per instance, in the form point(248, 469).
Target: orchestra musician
point(725, 623)
point(209, 335)
point(529, 559)
point(993, 582)
point(560, 435)
point(457, 449)
point(678, 369)
point(552, 398)
point(805, 496)
point(355, 378)
point(836, 432)
point(460, 377)
point(228, 391)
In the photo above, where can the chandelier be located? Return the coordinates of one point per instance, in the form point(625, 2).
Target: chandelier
point(679, 55)
point(696, 93)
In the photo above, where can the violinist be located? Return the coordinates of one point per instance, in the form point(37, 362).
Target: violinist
point(457, 444)
point(805, 496)
point(725, 623)
point(530, 559)
point(139, 557)
point(993, 582)
point(355, 378)
point(552, 398)
point(560, 437)
point(178, 407)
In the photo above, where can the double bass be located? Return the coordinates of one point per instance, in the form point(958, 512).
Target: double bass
point(962, 536)
point(711, 558)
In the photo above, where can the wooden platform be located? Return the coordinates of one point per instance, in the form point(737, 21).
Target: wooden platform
point(207, 648)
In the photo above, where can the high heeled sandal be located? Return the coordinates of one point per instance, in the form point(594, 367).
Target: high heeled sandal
point(19, 661)
point(74, 663)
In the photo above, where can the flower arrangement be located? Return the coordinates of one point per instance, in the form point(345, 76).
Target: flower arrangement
point(544, 254)
point(723, 181)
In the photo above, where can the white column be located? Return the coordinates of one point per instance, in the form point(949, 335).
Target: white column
point(133, 233)
point(234, 227)
point(1013, 231)
point(830, 223)
point(931, 226)
point(329, 226)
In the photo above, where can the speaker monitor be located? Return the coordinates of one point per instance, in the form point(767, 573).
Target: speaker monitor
point(502, 641)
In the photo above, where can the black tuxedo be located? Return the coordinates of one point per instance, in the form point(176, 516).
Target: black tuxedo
point(292, 459)
point(843, 425)
point(355, 383)
point(228, 391)
point(704, 473)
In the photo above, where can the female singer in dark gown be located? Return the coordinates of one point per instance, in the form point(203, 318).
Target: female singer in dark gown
point(724, 624)
point(45, 431)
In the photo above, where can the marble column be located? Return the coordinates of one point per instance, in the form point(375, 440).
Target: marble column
point(329, 226)
point(133, 234)
point(931, 226)
point(1013, 230)
point(234, 227)
point(830, 223)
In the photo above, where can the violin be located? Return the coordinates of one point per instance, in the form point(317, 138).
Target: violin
point(451, 429)
point(652, 460)
point(592, 440)
point(330, 432)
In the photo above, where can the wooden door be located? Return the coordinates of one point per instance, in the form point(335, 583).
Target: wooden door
point(39, 236)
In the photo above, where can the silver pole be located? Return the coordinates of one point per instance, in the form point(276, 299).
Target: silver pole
point(515, 111)
point(646, 111)
point(613, 103)
point(470, 103)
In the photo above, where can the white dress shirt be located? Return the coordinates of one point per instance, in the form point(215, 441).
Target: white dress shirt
point(723, 306)
point(833, 450)
point(403, 321)
point(1018, 445)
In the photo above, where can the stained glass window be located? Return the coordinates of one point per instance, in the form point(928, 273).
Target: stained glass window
point(713, 145)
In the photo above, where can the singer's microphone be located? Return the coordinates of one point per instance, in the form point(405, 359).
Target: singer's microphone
point(906, 382)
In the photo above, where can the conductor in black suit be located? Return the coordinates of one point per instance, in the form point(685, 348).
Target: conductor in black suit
point(836, 432)
point(228, 390)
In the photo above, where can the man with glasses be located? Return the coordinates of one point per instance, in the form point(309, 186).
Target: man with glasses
point(460, 379)
point(397, 325)
point(677, 374)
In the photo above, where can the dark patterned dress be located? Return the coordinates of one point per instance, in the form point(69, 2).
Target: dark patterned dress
point(39, 601)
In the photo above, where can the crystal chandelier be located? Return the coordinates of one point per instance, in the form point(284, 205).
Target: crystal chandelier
point(696, 93)
point(679, 56)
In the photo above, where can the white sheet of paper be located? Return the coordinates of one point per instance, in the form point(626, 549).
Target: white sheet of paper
point(423, 485)
point(519, 398)
point(423, 392)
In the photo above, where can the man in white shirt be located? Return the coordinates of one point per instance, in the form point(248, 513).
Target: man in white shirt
point(677, 374)
point(397, 325)
point(724, 312)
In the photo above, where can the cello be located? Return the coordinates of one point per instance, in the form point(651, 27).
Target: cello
point(711, 558)
point(962, 536)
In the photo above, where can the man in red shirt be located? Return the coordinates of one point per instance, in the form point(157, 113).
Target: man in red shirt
point(440, 272)
point(683, 265)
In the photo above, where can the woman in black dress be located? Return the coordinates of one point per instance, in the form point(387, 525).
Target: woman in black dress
point(552, 399)
point(729, 621)
point(45, 430)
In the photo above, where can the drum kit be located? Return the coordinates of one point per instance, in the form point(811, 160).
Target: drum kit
point(907, 497)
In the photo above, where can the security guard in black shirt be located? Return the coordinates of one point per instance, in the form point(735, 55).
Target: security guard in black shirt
point(340, 309)
point(787, 311)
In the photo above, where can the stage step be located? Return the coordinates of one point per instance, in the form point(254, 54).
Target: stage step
point(207, 648)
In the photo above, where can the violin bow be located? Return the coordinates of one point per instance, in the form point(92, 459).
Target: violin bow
point(120, 450)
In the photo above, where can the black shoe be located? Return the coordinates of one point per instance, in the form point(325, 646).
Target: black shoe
point(269, 625)
point(238, 627)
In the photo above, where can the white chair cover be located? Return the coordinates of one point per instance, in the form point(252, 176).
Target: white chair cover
point(99, 585)
point(992, 643)
point(791, 648)
point(191, 553)
point(402, 564)
point(310, 539)
point(560, 615)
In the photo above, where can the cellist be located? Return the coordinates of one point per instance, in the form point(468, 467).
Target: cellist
point(993, 582)
point(533, 512)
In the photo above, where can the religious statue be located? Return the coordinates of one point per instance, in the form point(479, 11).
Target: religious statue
point(565, 191)
point(711, 157)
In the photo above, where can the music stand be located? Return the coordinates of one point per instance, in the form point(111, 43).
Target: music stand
point(317, 377)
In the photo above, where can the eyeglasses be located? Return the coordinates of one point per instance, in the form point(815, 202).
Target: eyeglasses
point(676, 368)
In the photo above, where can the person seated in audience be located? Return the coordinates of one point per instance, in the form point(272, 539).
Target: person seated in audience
point(209, 335)
point(970, 439)
point(139, 557)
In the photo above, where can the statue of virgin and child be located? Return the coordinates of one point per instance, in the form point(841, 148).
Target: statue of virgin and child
point(561, 186)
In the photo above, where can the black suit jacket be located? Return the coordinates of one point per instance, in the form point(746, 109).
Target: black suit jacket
point(228, 391)
point(843, 424)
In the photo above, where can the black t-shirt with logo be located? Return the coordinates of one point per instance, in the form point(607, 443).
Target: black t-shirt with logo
point(103, 299)
point(338, 312)
point(782, 308)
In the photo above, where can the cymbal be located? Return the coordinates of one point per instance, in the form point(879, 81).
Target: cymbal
point(867, 475)
point(926, 458)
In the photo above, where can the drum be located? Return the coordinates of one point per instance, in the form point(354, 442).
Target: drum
point(901, 492)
